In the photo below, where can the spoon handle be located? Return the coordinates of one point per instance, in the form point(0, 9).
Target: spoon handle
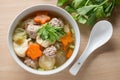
point(78, 64)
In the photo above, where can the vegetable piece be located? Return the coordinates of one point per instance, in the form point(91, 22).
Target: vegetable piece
point(72, 46)
point(89, 11)
point(117, 2)
point(60, 58)
point(85, 9)
point(109, 8)
point(66, 28)
point(34, 51)
point(70, 9)
point(43, 43)
point(19, 36)
point(61, 2)
point(40, 69)
point(78, 3)
point(82, 19)
point(58, 45)
point(50, 33)
point(69, 53)
point(91, 19)
point(21, 49)
point(46, 62)
point(100, 12)
point(42, 18)
point(72, 30)
point(97, 1)
point(66, 40)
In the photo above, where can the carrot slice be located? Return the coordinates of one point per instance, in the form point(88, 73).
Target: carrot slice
point(66, 40)
point(42, 18)
point(34, 51)
point(68, 55)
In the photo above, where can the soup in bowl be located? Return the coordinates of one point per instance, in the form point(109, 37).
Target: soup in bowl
point(44, 39)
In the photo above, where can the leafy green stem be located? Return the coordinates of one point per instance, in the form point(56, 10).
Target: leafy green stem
point(87, 2)
point(103, 3)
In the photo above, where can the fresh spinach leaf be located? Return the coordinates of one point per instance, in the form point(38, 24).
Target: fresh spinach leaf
point(109, 8)
point(117, 2)
point(91, 19)
point(70, 9)
point(61, 2)
point(100, 12)
point(82, 19)
point(75, 16)
point(97, 1)
point(89, 11)
point(85, 9)
point(78, 3)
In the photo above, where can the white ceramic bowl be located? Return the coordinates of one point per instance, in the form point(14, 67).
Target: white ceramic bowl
point(55, 9)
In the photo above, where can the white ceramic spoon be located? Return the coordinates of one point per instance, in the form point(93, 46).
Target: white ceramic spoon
point(100, 34)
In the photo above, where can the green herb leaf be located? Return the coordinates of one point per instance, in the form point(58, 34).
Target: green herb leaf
point(109, 8)
point(78, 3)
point(51, 33)
point(117, 2)
point(61, 2)
point(89, 11)
point(75, 15)
point(97, 1)
point(100, 12)
point(70, 9)
point(85, 9)
point(82, 19)
point(91, 19)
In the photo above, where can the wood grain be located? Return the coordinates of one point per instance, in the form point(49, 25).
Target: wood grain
point(103, 64)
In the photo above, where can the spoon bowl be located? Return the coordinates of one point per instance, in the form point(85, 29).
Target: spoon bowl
point(100, 34)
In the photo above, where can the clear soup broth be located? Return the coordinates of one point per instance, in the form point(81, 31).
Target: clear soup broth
point(43, 40)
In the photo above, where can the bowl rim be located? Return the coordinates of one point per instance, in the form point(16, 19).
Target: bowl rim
point(60, 68)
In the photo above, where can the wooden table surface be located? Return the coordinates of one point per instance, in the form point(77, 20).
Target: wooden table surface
point(103, 64)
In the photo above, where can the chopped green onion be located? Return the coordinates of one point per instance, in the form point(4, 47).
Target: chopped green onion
point(72, 46)
point(72, 30)
point(40, 69)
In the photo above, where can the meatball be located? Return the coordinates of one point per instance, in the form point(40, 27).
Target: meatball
point(50, 51)
point(32, 30)
point(56, 22)
point(28, 22)
point(31, 63)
